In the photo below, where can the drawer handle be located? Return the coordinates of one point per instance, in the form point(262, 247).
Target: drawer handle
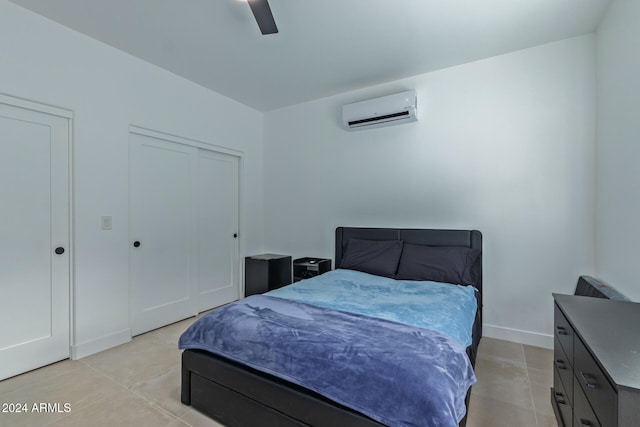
point(585, 378)
point(561, 330)
point(585, 422)
point(560, 364)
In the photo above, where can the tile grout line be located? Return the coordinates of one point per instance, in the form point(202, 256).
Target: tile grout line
point(533, 401)
point(82, 407)
point(135, 393)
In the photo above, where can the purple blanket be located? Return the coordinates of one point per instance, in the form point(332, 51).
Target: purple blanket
point(396, 374)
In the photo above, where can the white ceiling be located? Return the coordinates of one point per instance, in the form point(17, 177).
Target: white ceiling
point(324, 47)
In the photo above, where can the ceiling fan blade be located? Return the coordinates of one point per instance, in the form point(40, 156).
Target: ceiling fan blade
point(264, 17)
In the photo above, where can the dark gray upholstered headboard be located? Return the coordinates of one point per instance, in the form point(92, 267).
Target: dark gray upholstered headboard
point(426, 237)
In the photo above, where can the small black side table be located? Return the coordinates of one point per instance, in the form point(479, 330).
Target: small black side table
point(304, 268)
point(265, 272)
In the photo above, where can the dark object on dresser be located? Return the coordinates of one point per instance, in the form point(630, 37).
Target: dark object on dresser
point(589, 287)
point(238, 395)
point(305, 268)
point(265, 272)
point(597, 362)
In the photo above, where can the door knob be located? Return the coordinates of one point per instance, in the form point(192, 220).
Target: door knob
point(59, 250)
point(136, 244)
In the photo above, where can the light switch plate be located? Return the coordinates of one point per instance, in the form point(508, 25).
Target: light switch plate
point(106, 222)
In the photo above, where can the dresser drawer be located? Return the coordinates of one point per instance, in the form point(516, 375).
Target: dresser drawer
point(563, 332)
point(563, 369)
point(561, 401)
point(599, 392)
point(584, 416)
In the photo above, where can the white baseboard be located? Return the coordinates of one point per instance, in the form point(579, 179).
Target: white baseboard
point(97, 345)
point(515, 335)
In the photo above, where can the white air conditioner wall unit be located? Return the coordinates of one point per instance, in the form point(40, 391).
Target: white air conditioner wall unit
point(384, 111)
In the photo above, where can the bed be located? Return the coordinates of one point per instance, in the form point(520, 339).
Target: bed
point(221, 383)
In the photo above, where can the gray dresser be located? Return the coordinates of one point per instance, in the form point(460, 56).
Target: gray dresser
point(597, 362)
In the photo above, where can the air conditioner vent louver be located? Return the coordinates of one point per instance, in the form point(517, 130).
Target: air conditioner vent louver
point(401, 115)
point(384, 111)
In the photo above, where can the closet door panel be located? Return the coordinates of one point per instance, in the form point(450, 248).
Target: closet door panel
point(183, 229)
point(163, 243)
point(218, 189)
point(34, 237)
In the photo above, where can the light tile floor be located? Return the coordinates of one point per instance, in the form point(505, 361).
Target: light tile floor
point(513, 387)
point(138, 384)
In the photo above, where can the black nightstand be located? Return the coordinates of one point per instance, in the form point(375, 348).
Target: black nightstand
point(304, 268)
point(265, 272)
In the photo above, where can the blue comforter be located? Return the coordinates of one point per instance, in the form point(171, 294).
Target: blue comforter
point(441, 307)
point(397, 374)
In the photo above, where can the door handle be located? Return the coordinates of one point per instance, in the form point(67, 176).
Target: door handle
point(136, 244)
point(235, 235)
point(59, 250)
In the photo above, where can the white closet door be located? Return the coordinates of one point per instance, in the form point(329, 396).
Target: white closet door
point(34, 213)
point(184, 230)
point(218, 190)
point(164, 246)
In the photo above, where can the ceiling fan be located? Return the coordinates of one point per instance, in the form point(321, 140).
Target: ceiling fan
point(264, 17)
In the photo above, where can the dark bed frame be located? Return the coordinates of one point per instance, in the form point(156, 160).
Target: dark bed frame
point(237, 396)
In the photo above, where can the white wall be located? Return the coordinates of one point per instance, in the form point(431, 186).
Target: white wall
point(108, 90)
point(504, 145)
point(618, 147)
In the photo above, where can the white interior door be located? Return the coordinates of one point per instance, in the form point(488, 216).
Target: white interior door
point(163, 236)
point(184, 229)
point(218, 191)
point(34, 213)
